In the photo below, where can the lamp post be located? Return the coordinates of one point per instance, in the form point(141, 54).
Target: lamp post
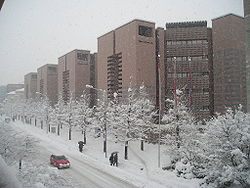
point(46, 109)
point(105, 120)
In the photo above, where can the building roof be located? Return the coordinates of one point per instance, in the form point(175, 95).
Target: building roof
point(135, 20)
point(230, 14)
point(73, 51)
point(186, 24)
point(47, 65)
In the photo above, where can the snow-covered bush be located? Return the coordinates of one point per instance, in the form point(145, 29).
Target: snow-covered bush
point(228, 147)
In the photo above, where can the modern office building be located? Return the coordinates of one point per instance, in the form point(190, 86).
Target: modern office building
point(229, 63)
point(247, 35)
point(30, 85)
point(188, 66)
point(47, 82)
point(76, 69)
point(127, 55)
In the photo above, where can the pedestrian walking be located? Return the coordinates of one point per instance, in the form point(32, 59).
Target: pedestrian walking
point(115, 159)
point(80, 144)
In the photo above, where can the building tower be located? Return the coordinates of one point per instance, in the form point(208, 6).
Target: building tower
point(127, 54)
point(247, 34)
point(229, 62)
point(188, 66)
point(30, 85)
point(47, 82)
point(76, 69)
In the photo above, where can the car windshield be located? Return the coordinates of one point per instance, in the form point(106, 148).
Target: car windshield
point(60, 158)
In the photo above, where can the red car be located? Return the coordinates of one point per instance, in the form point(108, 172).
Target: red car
point(59, 161)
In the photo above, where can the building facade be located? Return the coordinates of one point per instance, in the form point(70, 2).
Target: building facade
point(188, 66)
point(76, 69)
point(30, 85)
point(47, 82)
point(247, 35)
point(126, 58)
point(229, 62)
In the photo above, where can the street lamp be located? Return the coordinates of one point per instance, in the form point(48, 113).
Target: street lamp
point(105, 120)
point(47, 114)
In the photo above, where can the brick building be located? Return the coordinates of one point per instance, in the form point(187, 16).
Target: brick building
point(47, 81)
point(188, 65)
point(247, 34)
point(127, 54)
point(76, 69)
point(30, 85)
point(229, 62)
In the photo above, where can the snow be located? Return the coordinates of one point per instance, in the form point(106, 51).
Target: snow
point(7, 176)
point(140, 170)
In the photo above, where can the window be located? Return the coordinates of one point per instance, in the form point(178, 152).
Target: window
point(83, 57)
point(51, 69)
point(145, 31)
point(34, 76)
point(169, 42)
point(168, 59)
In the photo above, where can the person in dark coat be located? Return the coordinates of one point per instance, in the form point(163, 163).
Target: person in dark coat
point(80, 144)
point(115, 159)
point(111, 159)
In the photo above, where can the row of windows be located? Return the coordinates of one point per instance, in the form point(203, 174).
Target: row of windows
point(52, 69)
point(145, 31)
point(187, 91)
point(83, 57)
point(186, 58)
point(227, 52)
point(200, 107)
point(186, 74)
point(187, 42)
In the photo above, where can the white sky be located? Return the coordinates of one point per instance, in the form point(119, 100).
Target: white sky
point(37, 32)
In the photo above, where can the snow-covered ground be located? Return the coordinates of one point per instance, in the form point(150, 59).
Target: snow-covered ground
point(91, 168)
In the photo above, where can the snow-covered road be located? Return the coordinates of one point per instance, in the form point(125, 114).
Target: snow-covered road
point(86, 171)
point(90, 168)
point(87, 175)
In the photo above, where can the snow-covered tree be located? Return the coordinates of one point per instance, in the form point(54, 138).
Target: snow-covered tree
point(101, 118)
point(84, 114)
point(144, 110)
point(228, 149)
point(179, 132)
point(14, 146)
point(58, 113)
point(131, 118)
point(69, 115)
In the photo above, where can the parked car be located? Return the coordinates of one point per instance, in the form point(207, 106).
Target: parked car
point(59, 161)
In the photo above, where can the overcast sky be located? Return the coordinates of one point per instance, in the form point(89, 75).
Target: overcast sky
point(37, 32)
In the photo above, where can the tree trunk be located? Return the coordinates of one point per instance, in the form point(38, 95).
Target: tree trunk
point(35, 122)
point(142, 145)
point(20, 164)
point(126, 151)
point(84, 137)
point(70, 133)
point(42, 124)
point(58, 129)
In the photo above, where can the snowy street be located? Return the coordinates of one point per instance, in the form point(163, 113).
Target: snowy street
point(86, 174)
point(85, 170)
